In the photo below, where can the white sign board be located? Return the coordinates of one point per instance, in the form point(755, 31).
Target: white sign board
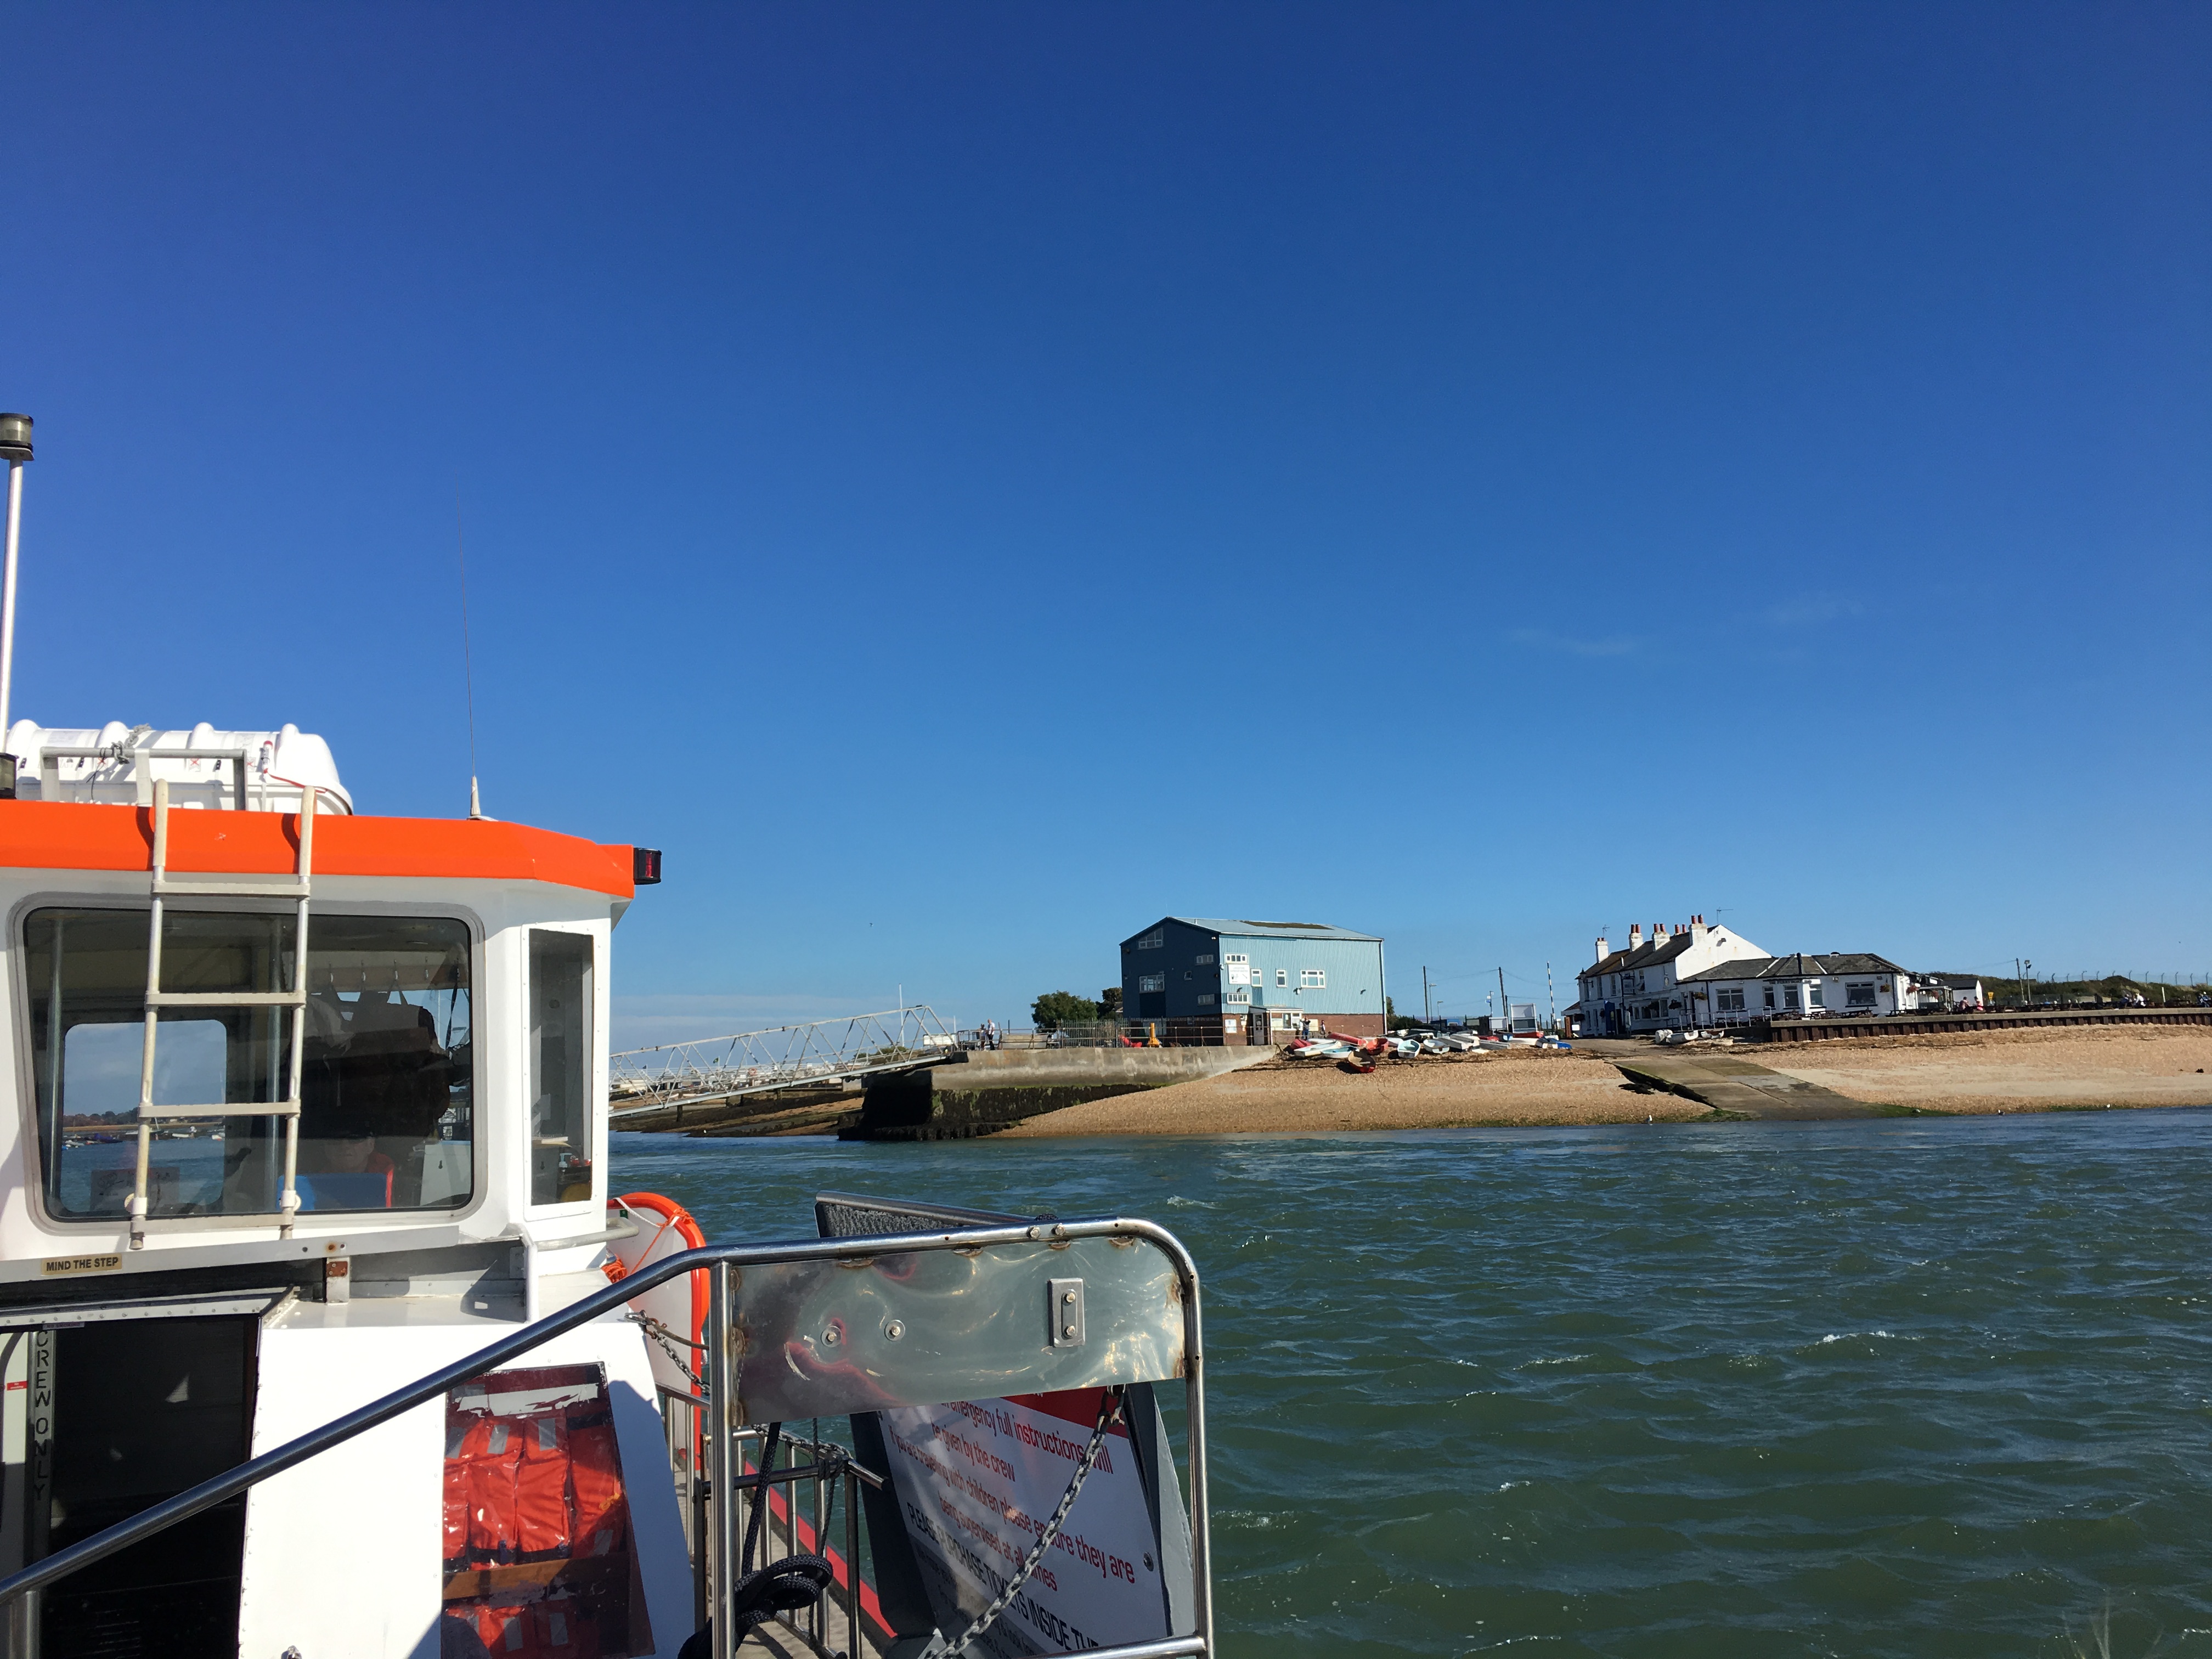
point(976, 1482)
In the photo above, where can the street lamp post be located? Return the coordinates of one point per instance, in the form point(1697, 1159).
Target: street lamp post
point(16, 450)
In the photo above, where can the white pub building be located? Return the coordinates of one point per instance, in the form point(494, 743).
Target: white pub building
point(1701, 977)
point(1641, 988)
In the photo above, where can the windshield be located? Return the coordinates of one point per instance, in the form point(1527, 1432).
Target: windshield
point(387, 1118)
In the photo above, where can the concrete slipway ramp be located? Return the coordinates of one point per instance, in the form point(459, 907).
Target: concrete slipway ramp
point(1718, 1078)
point(978, 1093)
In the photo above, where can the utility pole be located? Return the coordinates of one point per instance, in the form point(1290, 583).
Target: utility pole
point(1504, 1008)
point(1551, 1000)
point(1424, 997)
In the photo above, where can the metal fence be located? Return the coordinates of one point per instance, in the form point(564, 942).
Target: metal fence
point(809, 1484)
point(1202, 1033)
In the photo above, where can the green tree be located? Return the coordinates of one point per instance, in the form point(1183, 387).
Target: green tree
point(1395, 1021)
point(1057, 1008)
point(1109, 1002)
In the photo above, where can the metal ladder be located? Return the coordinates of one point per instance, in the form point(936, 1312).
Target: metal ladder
point(165, 886)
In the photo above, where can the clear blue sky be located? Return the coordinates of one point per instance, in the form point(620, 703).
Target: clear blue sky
point(969, 480)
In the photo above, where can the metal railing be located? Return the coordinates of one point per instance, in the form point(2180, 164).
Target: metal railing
point(823, 1476)
point(45, 762)
point(715, 1567)
point(1199, 1031)
point(643, 1081)
point(833, 1475)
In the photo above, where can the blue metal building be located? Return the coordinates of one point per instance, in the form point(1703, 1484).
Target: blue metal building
point(1252, 981)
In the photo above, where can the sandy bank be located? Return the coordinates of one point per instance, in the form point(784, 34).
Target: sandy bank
point(1522, 1088)
point(1957, 1071)
point(2017, 1070)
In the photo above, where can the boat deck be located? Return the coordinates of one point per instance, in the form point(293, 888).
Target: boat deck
point(776, 1642)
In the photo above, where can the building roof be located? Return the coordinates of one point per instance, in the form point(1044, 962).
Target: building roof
point(1961, 981)
point(1648, 954)
point(1798, 966)
point(1237, 929)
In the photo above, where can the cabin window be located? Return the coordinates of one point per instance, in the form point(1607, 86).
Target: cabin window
point(387, 1118)
point(1859, 996)
point(1731, 1000)
point(1816, 995)
point(559, 1066)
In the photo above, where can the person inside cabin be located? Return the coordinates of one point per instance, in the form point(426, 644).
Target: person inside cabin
point(372, 1096)
point(365, 1175)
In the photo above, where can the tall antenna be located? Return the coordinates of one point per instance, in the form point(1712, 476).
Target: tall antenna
point(468, 670)
point(16, 450)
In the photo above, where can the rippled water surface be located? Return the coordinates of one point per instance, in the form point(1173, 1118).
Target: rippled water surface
point(1892, 1388)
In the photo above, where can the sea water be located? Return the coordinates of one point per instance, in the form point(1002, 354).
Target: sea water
point(1901, 1387)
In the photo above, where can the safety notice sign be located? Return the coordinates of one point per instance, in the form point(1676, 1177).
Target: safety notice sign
point(978, 1480)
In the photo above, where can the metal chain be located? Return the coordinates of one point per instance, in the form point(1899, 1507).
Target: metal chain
point(655, 1332)
point(1110, 1408)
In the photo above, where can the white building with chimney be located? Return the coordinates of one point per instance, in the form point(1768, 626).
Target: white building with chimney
point(1797, 987)
point(1640, 988)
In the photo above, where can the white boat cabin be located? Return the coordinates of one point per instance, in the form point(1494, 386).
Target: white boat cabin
point(354, 1162)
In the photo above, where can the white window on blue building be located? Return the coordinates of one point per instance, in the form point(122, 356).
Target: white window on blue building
point(1150, 982)
point(1312, 979)
point(1239, 996)
point(1153, 940)
point(1282, 977)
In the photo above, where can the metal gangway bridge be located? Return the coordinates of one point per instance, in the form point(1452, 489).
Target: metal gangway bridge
point(822, 1054)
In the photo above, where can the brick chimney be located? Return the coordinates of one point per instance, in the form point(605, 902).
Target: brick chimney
point(1635, 935)
point(1658, 932)
point(1698, 930)
point(1603, 951)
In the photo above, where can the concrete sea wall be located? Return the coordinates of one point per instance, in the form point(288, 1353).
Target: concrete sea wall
point(982, 1092)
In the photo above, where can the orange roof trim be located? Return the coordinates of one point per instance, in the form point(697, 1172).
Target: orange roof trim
point(68, 836)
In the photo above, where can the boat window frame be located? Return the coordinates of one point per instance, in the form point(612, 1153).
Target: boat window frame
point(597, 1043)
point(27, 1082)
